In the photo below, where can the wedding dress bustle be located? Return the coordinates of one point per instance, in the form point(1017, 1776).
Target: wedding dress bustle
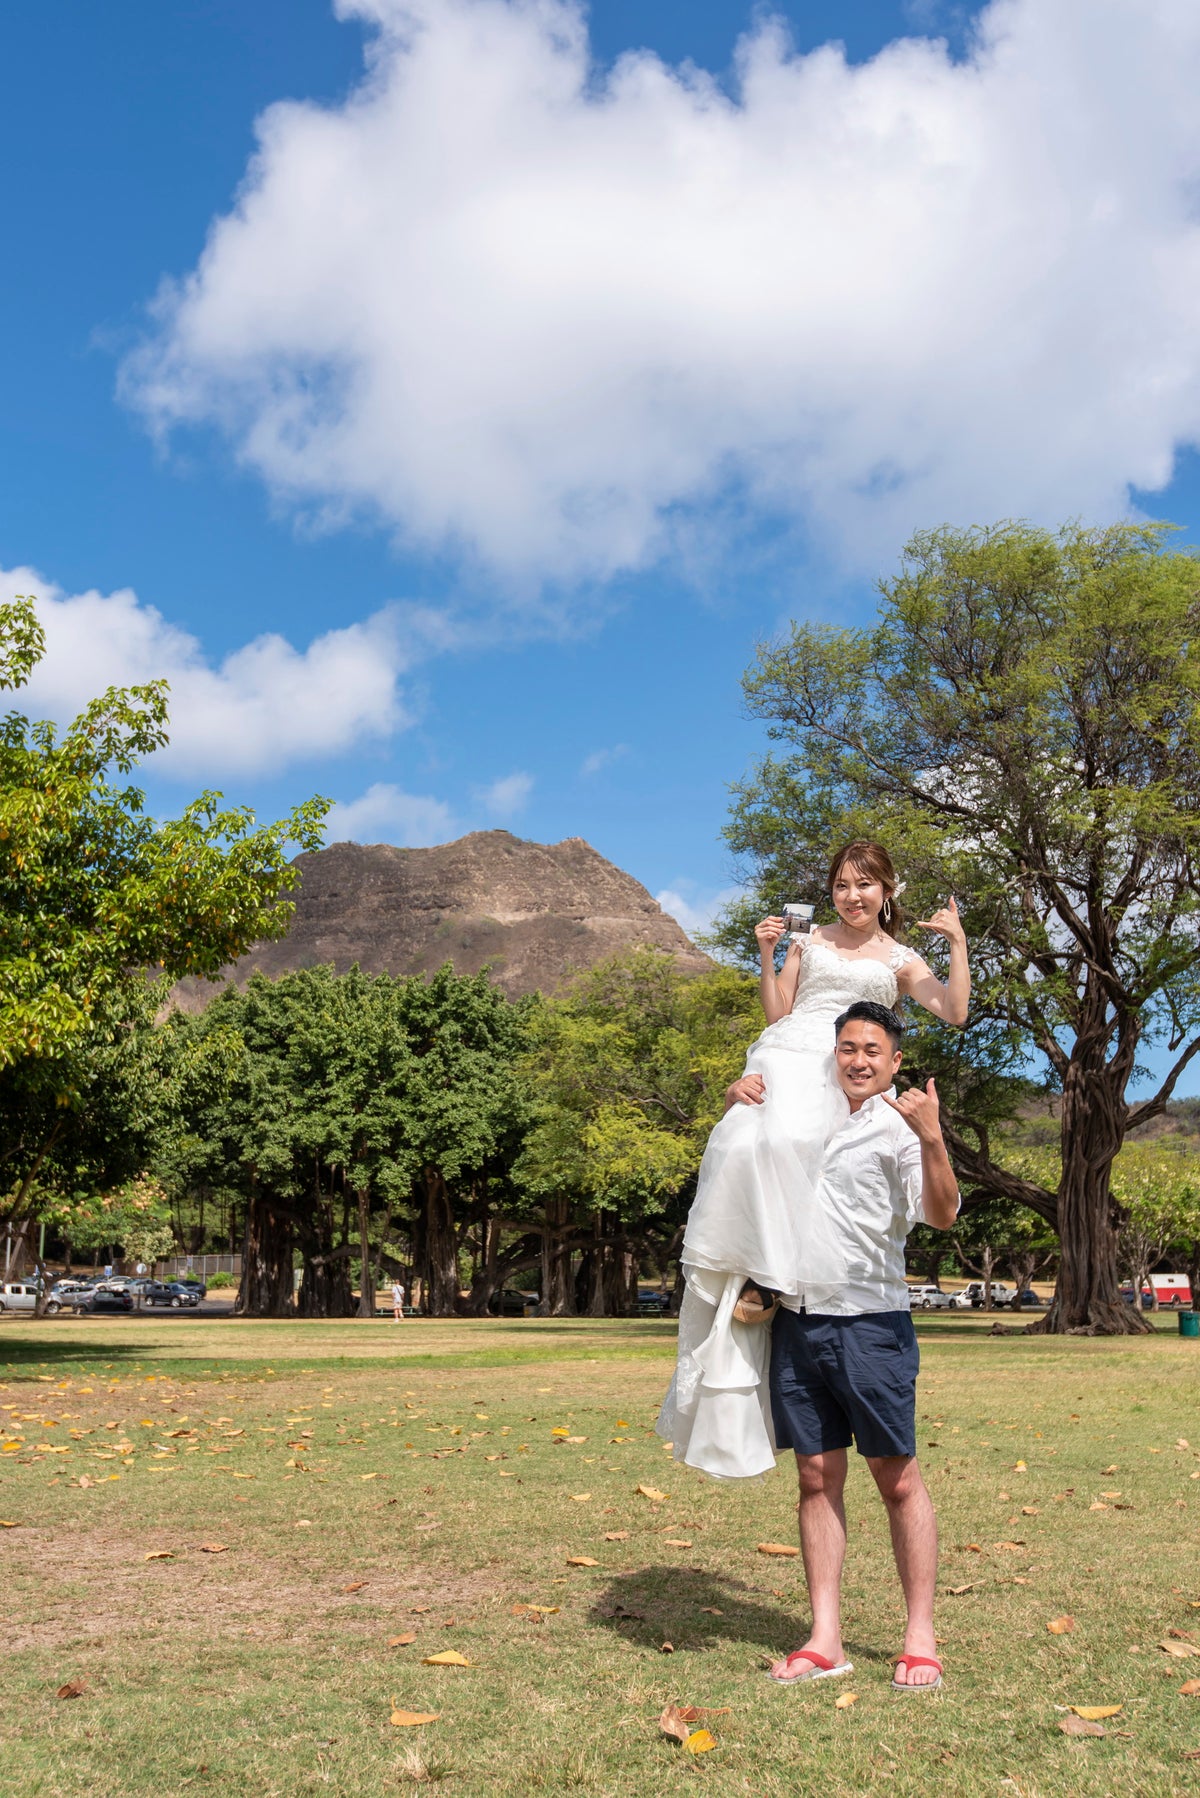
point(756, 1217)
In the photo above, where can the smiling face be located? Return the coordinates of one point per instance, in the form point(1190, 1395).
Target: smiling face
point(857, 896)
point(867, 1060)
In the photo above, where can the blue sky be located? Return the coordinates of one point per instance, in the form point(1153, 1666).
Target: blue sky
point(543, 591)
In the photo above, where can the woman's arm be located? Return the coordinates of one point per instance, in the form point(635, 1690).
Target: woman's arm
point(777, 990)
point(918, 981)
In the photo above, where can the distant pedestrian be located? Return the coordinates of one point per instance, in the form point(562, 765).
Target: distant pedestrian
point(397, 1300)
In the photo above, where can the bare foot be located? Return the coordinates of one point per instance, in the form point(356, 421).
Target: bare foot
point(919, 1642)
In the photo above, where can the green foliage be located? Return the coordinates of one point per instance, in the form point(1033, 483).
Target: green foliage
point(94, 896)
point(630, 1068)
point(219, 1281)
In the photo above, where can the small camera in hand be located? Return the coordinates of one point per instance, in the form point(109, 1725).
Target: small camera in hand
point(798, 919)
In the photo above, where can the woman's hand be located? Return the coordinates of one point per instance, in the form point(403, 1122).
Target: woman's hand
point(768, 934)
point(945, 922)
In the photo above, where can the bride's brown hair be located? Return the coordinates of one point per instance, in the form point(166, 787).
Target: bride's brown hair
point(873, 860)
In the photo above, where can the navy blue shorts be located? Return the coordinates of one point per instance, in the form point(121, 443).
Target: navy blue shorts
point(840, 1379)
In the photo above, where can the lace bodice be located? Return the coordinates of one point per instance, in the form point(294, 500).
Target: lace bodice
point(827, 984)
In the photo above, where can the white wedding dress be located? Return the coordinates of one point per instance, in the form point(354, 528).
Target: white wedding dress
point(756, 1216)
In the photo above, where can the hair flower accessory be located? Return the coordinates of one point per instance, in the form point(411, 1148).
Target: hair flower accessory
point(897, 890)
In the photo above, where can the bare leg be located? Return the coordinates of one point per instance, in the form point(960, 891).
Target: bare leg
point(823, 1545)
point(914, 1544)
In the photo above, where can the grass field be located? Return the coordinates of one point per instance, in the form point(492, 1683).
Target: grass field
point(366, 1481)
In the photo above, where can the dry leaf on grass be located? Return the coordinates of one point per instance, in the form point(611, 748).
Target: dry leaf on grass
point(700, 1741)
point(1181, 1635)
point(6, 1523)
point(356, 1585)
point(581, 1497)
point(845, 1701)
point(1030, 1511)
point(711, 1610)
point(666, 1648)
point(449, 1657)
point(1190, 1688)
point(616, 1535)
point(161, 1554)
point(582, 1561)
point(1019, 1543)
point(1061, 1626)
point(672, 1723)
point(676, 1542)
point(1094, 1712)
point(1181, 1650)
point(957, 1591)
point(214, 1548)
point(402, 1641)
point(74, 1688)
point(1080, 1726)
point(652, 1492)
point(410, 1719)
point(777, 1548)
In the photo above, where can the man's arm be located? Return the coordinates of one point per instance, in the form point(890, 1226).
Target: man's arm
point(751, 1089)
point(939, 1188)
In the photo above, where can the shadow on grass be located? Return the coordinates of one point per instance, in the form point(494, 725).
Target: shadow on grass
point(694, 1609)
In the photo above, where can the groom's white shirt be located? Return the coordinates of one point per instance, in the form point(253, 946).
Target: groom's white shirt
point(871, 1186)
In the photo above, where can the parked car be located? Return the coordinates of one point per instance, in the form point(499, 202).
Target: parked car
point(95, 1299)
point(169, 1292)
point(652, 1301)
point(1029, 1300)
point(19, 1296)
point(971, 1296)
point(510, 1302)
point(193, 1285)
point(927, 1298)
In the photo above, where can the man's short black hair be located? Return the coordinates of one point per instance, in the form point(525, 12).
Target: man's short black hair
point(866, 1011)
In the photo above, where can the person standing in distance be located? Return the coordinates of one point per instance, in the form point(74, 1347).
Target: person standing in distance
point(847, 1372)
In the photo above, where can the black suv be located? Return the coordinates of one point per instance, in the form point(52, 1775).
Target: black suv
point(93, 1299)
point(161, 1292)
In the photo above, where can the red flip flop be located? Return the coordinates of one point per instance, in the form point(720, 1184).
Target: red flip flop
point(822, 1668)
point(917, 1660)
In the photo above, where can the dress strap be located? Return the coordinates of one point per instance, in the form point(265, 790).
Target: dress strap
point(900, 956)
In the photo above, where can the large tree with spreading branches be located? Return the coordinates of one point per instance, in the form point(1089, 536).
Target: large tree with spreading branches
point(1021, 727)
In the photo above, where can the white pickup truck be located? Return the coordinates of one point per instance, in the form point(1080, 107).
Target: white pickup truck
point(971, 1296)
point(18, 1297)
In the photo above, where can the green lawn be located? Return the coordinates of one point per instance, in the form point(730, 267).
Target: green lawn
point(371, 1480)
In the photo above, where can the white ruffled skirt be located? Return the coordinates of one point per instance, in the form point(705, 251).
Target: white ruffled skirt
point(755, 1217)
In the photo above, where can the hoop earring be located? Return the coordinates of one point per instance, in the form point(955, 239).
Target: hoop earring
point(887, 911)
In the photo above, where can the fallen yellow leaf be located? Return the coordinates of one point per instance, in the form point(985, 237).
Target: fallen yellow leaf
point(449, 1657)
point(402, 1641)
point(845, 1701)
point(581, 1498)
point(1094, 1712)
point(410, 1719)
point(676, 1542)
point(1061, 1626)
point(700, 1741)
point(616, 1535)
point(777, 1548)
point(652, 1492)
point(582, 1561)
point(161, 1554)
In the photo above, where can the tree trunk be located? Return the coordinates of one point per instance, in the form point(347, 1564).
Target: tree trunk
point(366, 1294)
point(268, 1248)
point(486, 1277)
point(557, 1295)
point(325, 1287)
point(438, 1249)
point(1087, 1297)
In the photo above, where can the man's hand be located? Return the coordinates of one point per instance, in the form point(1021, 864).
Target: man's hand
point(751, 1089)
point(920, 1111)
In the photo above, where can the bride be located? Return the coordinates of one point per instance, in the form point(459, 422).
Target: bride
point(756, 1227)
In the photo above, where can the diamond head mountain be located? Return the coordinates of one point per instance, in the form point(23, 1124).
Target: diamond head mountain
point(535, 913)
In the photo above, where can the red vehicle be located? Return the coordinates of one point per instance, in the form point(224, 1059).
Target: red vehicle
point(1169, 1289)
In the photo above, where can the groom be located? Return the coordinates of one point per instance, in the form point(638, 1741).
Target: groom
point(848, 1371)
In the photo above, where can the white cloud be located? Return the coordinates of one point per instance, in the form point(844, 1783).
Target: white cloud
point(386, 814)
point(695, 908)
point(603, 758)
point(507, 796)
point(263, 707)
point(502, 303)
